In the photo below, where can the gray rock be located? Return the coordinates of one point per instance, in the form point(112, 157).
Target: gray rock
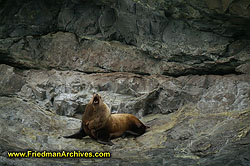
point(10, 81)
point(185, 136)
point(67, 92)
point(172, 38)
point(245, 68)
point(192, 119)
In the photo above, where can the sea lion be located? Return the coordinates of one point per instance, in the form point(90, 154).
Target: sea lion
point(94, 118)
point(101, 125)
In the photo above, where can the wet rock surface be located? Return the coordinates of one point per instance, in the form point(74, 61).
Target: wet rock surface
point(195, 120)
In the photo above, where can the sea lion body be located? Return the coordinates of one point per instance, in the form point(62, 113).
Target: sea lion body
point(95, 116)
point(101, 125)
point(119, 124)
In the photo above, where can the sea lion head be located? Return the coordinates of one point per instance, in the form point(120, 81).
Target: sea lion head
point(97, 99)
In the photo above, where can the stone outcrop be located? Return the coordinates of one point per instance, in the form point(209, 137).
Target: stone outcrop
point(153, 37)
point(193, 119)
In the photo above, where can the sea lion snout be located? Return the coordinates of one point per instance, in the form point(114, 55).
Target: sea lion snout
point(96, 98)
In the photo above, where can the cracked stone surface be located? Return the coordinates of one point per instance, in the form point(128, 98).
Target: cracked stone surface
point(199, 120)
point(151, 37)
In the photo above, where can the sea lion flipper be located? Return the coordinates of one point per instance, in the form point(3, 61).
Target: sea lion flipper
point(132, 133)
point(93, 124)
point(136, 130)
point(124, 135)
point(81, 133)
point(103, 137)
point(105, 143)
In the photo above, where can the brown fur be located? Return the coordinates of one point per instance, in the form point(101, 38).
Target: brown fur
point(101, 125)
point(95, 116)
point(118, 124)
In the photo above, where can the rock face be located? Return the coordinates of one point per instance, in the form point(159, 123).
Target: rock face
point(152, 37)
point(193, 119)
point(182, 67)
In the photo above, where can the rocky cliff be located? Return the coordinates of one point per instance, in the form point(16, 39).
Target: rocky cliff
point(182, 67)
